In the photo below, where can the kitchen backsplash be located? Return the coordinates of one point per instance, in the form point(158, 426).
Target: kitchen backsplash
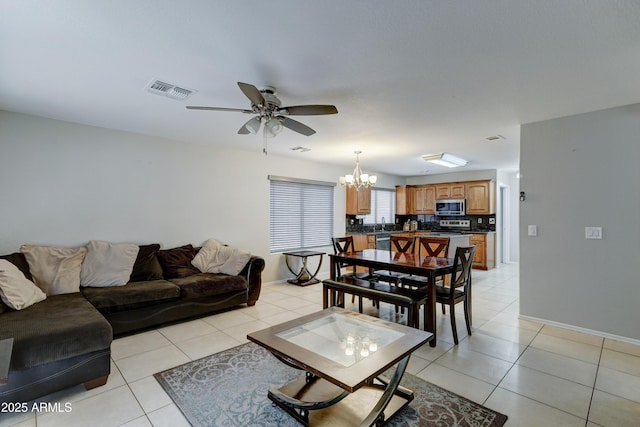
point(425, 222)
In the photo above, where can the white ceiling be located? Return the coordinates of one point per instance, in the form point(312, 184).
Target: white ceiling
point(409, 77)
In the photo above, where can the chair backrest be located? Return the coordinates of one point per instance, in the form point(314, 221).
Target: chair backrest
point(433, 246)
point(402, 244)
point(462, 264)
point(342, 244)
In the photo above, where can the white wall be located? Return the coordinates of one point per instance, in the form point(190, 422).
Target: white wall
point(582, 171)
point(66, 184)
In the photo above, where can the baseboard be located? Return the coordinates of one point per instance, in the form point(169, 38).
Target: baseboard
point(579, 329)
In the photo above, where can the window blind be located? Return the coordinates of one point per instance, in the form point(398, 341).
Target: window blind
point(301, 214)
point(383, 205)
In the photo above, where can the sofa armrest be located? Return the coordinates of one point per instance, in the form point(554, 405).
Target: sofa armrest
point(253, 273)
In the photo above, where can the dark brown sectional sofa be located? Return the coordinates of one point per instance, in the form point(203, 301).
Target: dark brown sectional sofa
point(65, 340)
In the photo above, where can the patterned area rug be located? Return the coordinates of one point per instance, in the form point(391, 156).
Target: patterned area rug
point(230, 389)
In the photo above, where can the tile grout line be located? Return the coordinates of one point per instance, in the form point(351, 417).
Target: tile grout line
point(595, 380)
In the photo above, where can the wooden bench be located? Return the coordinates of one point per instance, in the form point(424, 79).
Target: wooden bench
point(411, 299)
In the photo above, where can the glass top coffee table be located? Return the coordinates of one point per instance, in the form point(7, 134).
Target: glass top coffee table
point(344, 355)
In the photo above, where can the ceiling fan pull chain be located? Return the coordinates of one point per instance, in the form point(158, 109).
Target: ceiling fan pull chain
point(264, 143)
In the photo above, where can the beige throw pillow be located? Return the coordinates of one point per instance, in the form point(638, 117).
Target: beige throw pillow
point(214, 257)
point(16, 290)
point(108, 264)
point(55, 270)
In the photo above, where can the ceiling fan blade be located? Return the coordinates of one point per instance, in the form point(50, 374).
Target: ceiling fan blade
point(296, 126)
point(240, 110)
point(310, 110)
point(252, 93)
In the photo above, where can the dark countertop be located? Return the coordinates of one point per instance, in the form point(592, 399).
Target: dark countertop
point(448, 232)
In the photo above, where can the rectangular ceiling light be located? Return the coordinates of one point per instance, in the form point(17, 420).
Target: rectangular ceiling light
point(445, 159)
point(169, 90)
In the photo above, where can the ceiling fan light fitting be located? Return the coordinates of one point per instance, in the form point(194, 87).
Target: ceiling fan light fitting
point(253, 125)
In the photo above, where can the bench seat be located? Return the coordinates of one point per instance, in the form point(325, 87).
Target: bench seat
point(409, 298)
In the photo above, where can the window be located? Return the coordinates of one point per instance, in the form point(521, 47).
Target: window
point(301, 213)
point(383, 205)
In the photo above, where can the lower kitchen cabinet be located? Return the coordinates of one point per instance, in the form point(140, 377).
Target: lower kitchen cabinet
point(362, 242)
point(485, 257)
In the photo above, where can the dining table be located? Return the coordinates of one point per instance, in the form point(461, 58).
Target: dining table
point(408, 263)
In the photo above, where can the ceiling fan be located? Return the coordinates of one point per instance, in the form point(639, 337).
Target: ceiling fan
point(268, 109)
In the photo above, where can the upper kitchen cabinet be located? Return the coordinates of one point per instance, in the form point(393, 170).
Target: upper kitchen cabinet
point(425, 199)
point(450, 190)
point(481, 197)
point(358, 201)
point(402, 205)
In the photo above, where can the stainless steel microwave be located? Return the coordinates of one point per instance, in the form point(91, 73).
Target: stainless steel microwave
point(450, 207)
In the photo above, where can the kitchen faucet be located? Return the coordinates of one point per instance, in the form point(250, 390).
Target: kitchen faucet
point(382, 226)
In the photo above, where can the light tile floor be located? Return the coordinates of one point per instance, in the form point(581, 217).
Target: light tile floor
point(537, 375)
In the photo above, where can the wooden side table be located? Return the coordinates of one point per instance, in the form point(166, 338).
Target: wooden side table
point(303, 277)
point(6, 347)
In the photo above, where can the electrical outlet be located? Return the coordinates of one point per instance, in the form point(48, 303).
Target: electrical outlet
point(532, 230)
point(593, 233)
point(479, 220)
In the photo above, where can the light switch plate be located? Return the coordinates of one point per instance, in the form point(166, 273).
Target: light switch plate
point(532, 230)
point(593, 233)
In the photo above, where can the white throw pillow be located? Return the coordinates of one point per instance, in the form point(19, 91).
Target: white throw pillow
point(17, 291)
point(108, 264)
point(214, 257)
point(55, 270)
point(206, 256)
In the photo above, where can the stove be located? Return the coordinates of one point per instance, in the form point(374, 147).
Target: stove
point(456, 224)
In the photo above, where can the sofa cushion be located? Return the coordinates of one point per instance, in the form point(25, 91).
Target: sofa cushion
point(15, 290)
point(108, 264)
point(209, 284)
point(59, 327)
point(147, 266)
point(132, 295)
point(214, 257)
point(176, 262)
point(19, 260)
point(55, 270)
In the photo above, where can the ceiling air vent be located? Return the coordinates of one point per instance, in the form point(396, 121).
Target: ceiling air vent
point(495, 138)
point(301, 149)
point(169, 90)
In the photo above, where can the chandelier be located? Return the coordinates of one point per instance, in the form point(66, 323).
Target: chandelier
point(358, 179)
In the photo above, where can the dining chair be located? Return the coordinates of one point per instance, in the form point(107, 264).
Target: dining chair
point(398, 244)
point(431, 247)
point(459, 289)
point(341, 245)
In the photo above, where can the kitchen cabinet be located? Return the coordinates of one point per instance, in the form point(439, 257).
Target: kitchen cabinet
point(480, 197)
point(405, 195)
point(358, 201)
point(425, 199)
point(485, 257)
point(450, 190)
point(443, 191)
point(362, 242)
point(458, 190)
